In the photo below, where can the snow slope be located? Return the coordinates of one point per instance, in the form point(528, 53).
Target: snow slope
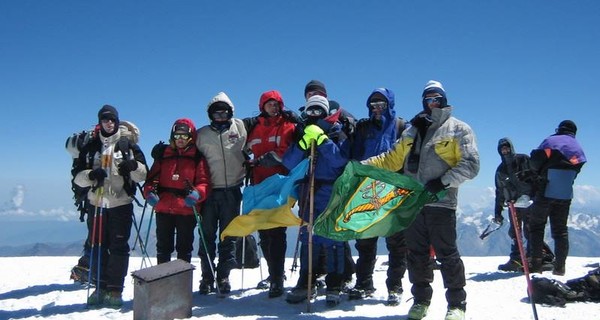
point(39, 287)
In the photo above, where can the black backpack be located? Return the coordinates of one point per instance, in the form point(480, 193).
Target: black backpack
point(552, 292)
point(249, 258)
point(74, 144)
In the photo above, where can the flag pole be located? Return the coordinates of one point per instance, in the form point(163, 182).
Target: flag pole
point(311, 210)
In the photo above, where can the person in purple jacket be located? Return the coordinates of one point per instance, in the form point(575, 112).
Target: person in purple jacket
point(555, 165)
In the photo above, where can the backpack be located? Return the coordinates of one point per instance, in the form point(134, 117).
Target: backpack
point(74, 145)
point(552, 292)
point(587, 286)
point(83, 146)
point(246, 257)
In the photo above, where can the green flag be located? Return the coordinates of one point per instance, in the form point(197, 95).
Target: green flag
point(369, 202)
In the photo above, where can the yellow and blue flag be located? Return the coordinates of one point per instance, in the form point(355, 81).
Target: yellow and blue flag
point(268, 204)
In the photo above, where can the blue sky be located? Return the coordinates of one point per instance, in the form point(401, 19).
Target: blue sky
point(510, 68)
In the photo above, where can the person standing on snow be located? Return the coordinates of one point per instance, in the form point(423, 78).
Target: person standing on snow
point(111, 164)
point(222, 143)
point(439, 151)
point(268, 141)
point(373, 136)
point(510, 188)
point(330, 163)
point(178, 180)
point(555, 165)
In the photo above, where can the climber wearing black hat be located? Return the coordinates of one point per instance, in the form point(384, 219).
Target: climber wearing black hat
point(556, 163)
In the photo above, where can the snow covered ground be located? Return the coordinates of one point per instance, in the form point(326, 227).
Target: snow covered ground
point(39, 287)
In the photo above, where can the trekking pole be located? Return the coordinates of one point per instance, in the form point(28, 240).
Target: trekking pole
point(201, 234)
point(97, 210)
point(243, 260)
point(303, 205)
point(138, 237)
point(148, 230)
point(142, 245)
point(518, 235)
point(311, 204)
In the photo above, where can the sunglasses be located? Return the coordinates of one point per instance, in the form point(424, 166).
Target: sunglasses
point(433, 100)
point(314, 112)
point(221, 114)
point(378, 105)
point(107, 120)
point(181, 136)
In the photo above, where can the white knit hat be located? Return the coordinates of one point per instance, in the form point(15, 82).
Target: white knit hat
point(318, 101)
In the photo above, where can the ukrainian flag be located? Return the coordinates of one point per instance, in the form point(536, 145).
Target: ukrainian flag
point(268, 204)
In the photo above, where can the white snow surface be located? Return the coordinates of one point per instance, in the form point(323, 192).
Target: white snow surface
point(39, 287)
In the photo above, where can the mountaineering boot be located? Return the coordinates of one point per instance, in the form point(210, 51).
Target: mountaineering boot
point(394, 298)
point(511, 266)
point(535, 266)
point(361, 290)
point(80, 274)
point(417, 311)
point(559, 269)
point(332, 298)
point(96, 298)
point(276, 289)
point(298, 294)
point(113, 299)
point(206, 286)
point(224, 286)
point(455, 314)
point(264, 284)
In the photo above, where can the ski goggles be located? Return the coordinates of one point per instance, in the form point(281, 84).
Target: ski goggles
point(378, 105)
point(181, 136)
point(433, 100)
point(314, 112)
point(220, 115)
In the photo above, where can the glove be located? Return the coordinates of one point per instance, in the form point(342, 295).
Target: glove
point(126, 166)
point(498, 219)
point(152, 199)
point(312, 133)
point(434, 186)
point(192, 198)
point(98, 174)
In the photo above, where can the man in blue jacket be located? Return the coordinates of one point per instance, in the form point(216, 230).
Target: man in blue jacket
point(555, 164)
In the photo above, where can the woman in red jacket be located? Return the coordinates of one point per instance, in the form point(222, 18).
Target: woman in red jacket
point(268, 141)
point(178, 180)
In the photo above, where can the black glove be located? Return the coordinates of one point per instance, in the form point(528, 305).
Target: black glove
point(498, 218)
point(126, 166)
point(434, 186)
point(98, 174)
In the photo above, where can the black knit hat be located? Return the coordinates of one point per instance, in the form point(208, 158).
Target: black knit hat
point(566, 127)
point(108, 112)
point(315, 85)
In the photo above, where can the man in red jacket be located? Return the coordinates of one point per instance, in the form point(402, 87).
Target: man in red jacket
point(268, 141)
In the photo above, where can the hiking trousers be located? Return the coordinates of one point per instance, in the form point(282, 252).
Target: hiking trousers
point(174, 232)
point(367, 253)
point(273, 243)
point(557, 211)
point(435, 226)
point(221, 206)
point(114, 245)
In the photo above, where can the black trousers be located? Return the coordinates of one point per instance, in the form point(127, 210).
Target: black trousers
point(174, 232)
point(435, 226)
point(367, 253)
point(217, 212)
point(273, 244)
point(557, 211)
point(111, 229)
